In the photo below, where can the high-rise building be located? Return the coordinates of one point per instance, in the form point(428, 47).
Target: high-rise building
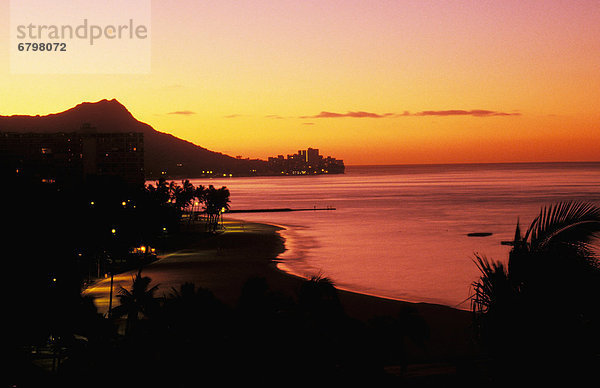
point(302, 155)
point(312, 156)
point(75, 156)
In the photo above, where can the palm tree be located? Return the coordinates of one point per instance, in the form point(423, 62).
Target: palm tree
point(138, 301)
point(216, 201)
point(186, 195)
point(175, 192)
point(198, 198)
point(494, 287)
point(319, 301)
point(189, 295)
point(160, 193)
point(557, 243)
point(559, 238)
point(545, 302)
point(222, 200)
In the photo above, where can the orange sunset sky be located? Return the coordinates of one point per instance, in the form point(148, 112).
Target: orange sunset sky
point(370, 82)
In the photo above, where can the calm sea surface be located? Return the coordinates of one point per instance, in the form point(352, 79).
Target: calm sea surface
point(401, 231)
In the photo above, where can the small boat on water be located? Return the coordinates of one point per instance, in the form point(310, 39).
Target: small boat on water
point(479, 234)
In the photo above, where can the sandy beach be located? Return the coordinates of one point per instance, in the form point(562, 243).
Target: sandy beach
point(223, 263)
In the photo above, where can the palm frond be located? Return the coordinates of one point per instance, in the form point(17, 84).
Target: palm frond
point(518, 237)
point(571, 222)
point(493, 283)
point(123, 292)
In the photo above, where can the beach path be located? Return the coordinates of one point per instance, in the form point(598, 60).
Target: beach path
point(223, 263)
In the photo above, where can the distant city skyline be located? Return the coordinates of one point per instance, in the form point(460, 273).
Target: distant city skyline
point(306, 162)
point(398, 82)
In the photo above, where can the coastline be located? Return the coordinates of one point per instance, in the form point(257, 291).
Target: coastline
point(297, 252)
point(223, 263)
point(451, 334)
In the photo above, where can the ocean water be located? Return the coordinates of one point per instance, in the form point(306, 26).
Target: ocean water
point(401, 232)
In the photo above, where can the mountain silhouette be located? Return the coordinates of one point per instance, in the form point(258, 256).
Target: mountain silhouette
point(162, 151)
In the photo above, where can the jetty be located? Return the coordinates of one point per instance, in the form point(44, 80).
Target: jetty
point(278, 210)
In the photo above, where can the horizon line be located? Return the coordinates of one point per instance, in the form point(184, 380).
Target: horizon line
point(470, 163)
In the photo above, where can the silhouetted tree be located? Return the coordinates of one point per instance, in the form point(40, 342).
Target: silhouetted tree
point(171, 201)
point(216, 201)
point(541, 311)
point(193, 311)
point(140, 300)
point(160, 193)
point(200, 194)
point(319, 297)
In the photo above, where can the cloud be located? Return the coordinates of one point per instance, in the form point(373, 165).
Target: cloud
point(450, 112)
point(460, 112)
point(308, 123)
point(182, 112)
point(359, 114)
point(233, 116)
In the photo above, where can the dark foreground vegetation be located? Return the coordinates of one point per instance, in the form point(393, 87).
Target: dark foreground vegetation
point(190, 339)
point(56, 337)
point(538, 316)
